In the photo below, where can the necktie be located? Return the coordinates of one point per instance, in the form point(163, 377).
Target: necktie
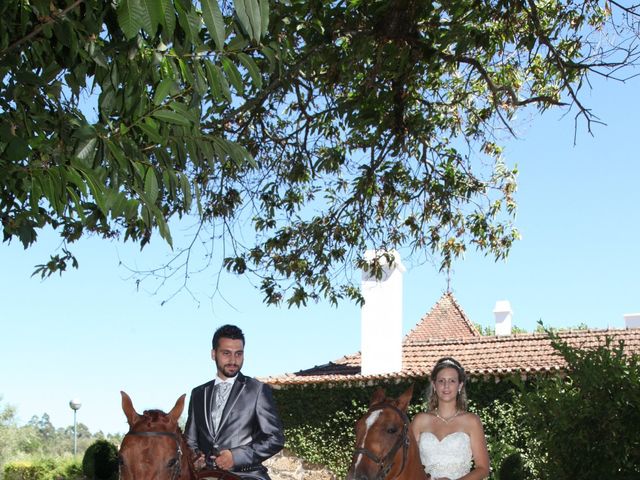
point(221, 394)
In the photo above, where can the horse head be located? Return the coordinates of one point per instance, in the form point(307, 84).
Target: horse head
point(385, 448)
point(154, 447)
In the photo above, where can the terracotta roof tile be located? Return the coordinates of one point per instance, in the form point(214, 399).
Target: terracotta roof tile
point(445, 320)
point(488, 356)
point(446, 331)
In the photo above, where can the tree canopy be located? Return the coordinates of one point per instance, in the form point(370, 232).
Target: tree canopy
point(299, 133)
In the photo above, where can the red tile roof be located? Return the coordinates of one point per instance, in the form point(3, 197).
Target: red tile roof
point(446, 320)
point(482, 356)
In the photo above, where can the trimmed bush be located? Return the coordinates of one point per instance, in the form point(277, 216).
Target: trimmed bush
point(100, 461)
point(512, 468)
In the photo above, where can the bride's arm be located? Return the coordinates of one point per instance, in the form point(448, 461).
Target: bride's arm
point(478, 450)
point(418, 425)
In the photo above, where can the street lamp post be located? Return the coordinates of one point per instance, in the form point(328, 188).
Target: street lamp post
point(75, 405)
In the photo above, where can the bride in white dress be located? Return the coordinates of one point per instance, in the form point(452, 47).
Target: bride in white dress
point(451, 440)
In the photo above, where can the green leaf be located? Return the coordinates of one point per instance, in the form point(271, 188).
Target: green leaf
point(147, 217)
point(217, 82)
point(264, 15)
point(96, 188)
point(253, 10)
point(186, 191)
point(107, 102)
point(167, 19)
point(172, 117)
point(233, 74)
point(185, 71)
point(240, 155)
point(252, 68)
point(77, 205)
point(215, 23)
point(117, 153)
point(162, 90)
point(271, 57)
point(98, 56)
point(130, 14)
point(243, 17)
point(152, 130)
point(163, 228)
point(86, 149)
point(192, 148)
point(190, 22)
point(187, 112)
point(151, 16)
point(17, 149)
point(199, 84)
point(151, 185)
point(75, 179)
point(198, 200)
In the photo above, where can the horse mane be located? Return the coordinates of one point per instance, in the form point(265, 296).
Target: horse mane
point(155, 415)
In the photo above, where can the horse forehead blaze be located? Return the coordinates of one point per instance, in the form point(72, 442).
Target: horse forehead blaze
point(369, 421)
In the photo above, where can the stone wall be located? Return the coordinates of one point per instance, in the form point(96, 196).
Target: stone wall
point(285, 466)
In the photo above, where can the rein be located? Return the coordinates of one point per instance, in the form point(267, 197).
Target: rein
point(175, 473)
point(386, 463)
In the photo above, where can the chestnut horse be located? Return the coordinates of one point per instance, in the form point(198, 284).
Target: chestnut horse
point(385, 447)
point(154, 447)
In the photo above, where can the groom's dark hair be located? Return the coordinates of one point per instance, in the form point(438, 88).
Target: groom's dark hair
point(227, 331)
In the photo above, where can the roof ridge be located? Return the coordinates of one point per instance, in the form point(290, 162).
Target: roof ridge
point(446, 301)
point(470, 324)
point(424, 317)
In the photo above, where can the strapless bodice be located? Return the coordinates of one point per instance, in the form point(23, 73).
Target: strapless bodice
point(449, 457)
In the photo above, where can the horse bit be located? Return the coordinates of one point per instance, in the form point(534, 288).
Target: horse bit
point(175, 469)
point(386, 463)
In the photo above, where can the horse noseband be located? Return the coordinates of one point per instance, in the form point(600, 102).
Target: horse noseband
point(175, 470)
point(386, 463)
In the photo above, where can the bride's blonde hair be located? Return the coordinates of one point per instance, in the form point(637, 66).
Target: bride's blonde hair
point(432, 396)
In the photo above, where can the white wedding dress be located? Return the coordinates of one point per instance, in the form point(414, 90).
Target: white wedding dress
point(449, 457)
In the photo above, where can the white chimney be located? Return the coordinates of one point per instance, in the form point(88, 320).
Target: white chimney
point(503, 315)
point(381, 318)
point(632, 320)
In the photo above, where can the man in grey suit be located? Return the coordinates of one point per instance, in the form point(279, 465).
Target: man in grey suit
point(233, 422)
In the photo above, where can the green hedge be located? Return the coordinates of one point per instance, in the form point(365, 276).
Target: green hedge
point(319, 421)
point(549, 428)
point(43, 469)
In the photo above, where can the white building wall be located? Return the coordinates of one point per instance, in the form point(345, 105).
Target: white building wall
point(632, 320)
point(504, 316)
point(381, 319)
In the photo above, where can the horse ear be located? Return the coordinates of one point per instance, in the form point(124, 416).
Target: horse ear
point(177, 409)
point(378, 396)
point(129, 411)
point(404, 399)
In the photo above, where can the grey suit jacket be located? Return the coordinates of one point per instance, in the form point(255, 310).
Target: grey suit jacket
point(250, 426)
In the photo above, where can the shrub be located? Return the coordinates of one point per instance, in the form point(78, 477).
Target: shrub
point(587, 423)
point(100, 461)
point(512, 468)
point(43, 469)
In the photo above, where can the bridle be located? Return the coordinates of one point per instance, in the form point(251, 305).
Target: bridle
point(175, 469)
point(386, 463)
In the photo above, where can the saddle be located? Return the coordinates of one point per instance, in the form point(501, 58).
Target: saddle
point(217, 474)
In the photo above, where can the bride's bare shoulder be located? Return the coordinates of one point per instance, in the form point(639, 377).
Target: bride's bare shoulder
point(422, 418)
point(471, 419)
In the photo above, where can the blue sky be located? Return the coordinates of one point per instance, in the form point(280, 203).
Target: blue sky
point(91, 333)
